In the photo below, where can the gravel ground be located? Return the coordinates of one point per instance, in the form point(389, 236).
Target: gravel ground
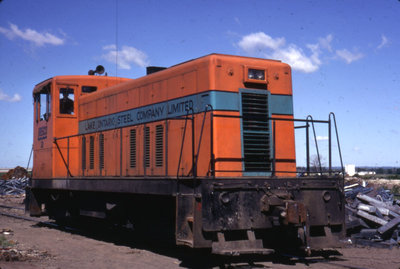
point(41, 246)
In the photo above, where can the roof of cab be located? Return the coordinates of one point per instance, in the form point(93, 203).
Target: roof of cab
point(75, 79)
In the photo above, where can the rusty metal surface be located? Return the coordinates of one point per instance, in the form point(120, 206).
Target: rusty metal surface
point(250, 245)
point(295, 212)
point(315, 205)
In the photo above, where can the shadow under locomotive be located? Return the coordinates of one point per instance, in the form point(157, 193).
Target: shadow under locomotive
point(163, 244)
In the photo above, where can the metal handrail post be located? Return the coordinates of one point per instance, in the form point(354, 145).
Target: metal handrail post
point(183, 141)
point(330, 146)
point(200, 138)
point(274, 149)
point(67, 153)
point(308, 147)
point(337, 139)
point(194, 170)
point(30, 156)
point(316, 143)
point(62, 157)
point(212, 156)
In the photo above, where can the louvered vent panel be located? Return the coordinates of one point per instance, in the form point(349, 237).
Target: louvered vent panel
point(159, 145)
point(133, 148)
point(91, 152)
point(83, 153)
point(101, 151)
point(147, 146)
point(256, 133)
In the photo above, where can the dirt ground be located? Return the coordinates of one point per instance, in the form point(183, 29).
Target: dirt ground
point(45, 246)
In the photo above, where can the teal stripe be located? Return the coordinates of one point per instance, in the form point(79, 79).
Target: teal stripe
point(224, 100)
point(161, 111)
point(281, 104)
point(219, 100)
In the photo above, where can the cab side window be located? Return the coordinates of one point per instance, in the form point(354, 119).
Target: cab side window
point(36, 99)
point(42, 104)
point(67, 101)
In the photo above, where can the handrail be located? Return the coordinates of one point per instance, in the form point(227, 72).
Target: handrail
point(310, 122)
point(183, 141)
point(212, 156)
point(62, 157)
point(274, 147)
point(337, 139)
point(316, 144)
point(196, 156)
point(30, 156)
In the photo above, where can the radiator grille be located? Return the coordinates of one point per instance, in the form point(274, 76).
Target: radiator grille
point(256, 132)
point(133, 148)
point(159, 145)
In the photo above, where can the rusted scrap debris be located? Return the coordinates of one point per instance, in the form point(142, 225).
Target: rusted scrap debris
point(17, 172)
point(372, 221)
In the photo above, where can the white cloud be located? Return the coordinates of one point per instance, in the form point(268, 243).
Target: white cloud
point(276, 48)
point(348, 56)
point(296, 58)
point(325, 42)
point(39, 39)
point(5, 97)
point(110, 47)
point(260, 41)
point(126, 56)
point(384, 42)
point(306, 60)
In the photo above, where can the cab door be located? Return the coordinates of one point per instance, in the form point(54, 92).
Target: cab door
point(66, 158)
point(43, 135)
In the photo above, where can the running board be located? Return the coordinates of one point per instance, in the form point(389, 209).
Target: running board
point(239, 247)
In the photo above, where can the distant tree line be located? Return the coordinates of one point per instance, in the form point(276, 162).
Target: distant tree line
point(380, 170)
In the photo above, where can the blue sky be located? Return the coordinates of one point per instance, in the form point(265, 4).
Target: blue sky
point(344, 56)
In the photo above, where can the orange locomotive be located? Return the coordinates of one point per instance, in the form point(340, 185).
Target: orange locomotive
point(206, 146)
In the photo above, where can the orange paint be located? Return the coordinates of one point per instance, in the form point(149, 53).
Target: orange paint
point(162, 146)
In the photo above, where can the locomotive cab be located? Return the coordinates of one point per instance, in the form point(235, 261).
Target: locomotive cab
point(55, 116)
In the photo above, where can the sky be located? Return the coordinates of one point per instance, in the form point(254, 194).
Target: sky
point(344, 55)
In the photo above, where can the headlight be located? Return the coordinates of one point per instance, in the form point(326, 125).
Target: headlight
point(256, 74)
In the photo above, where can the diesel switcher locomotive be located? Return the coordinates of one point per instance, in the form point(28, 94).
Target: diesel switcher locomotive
point(203, 150)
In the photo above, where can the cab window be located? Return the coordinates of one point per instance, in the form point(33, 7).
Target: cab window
point(67, 101)
point(36, 99)
point(43, 102)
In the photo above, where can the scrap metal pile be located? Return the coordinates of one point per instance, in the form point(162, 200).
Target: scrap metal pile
point(372, 216)
point(13, 186)
point(14, 181)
